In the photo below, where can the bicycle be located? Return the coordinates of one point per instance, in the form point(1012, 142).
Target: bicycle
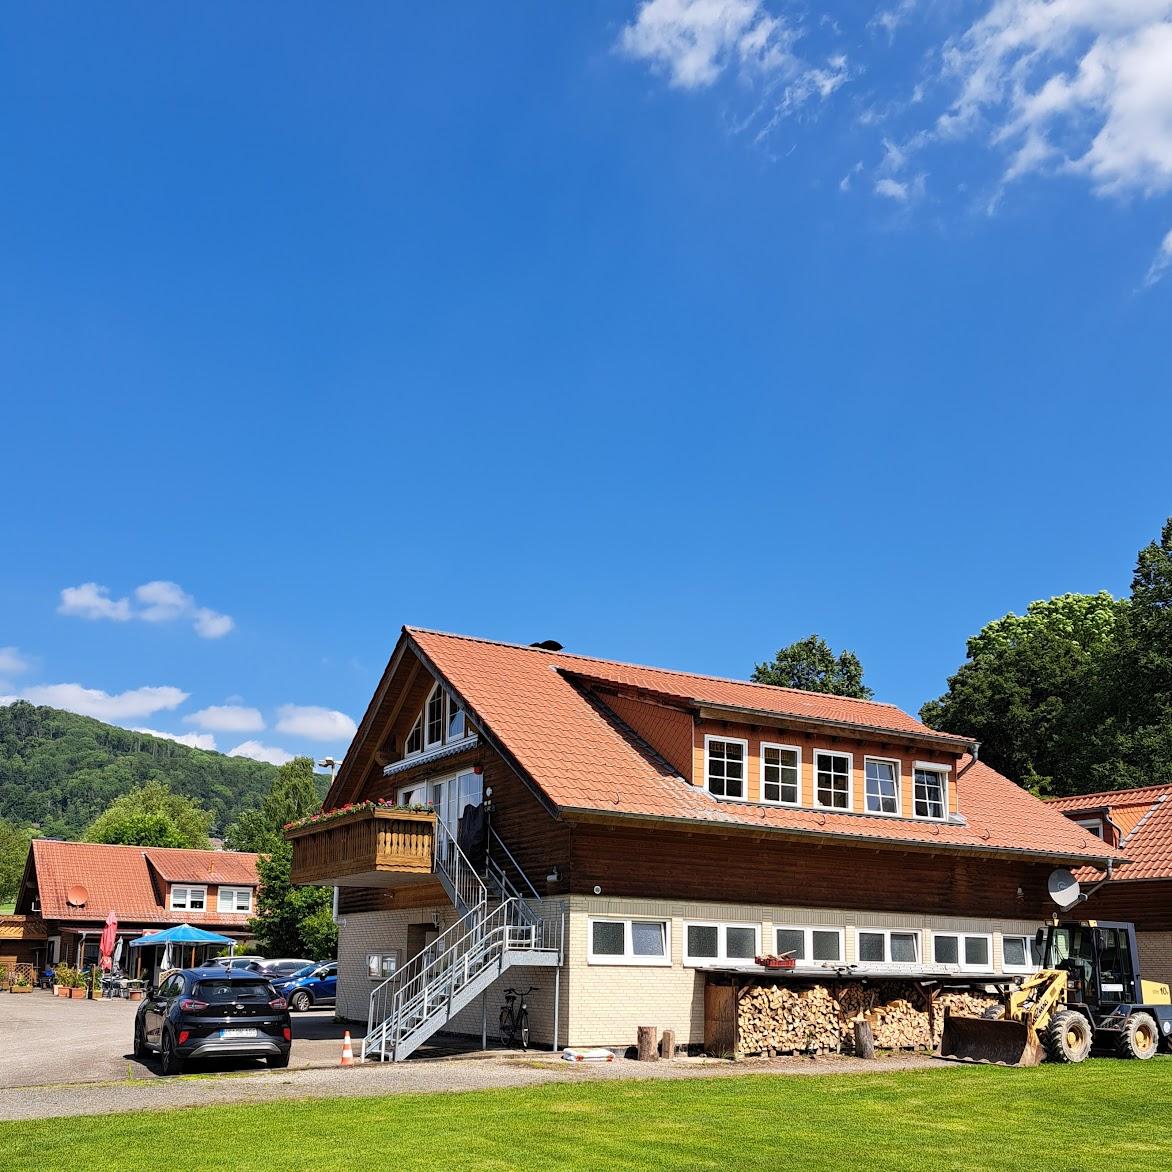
point(514, 1022)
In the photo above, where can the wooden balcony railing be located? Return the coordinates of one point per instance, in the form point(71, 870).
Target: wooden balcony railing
point(377, 848)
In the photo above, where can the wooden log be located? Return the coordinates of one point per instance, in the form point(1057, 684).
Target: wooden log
point(646, 1044)
point(667, 1045)
point(864, 1040)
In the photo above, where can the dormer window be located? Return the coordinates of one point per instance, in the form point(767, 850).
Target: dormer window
point(434, 716)
point(414, 743)
point(931, 791)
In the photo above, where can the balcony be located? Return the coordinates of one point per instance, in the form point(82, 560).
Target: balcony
point(380, 847)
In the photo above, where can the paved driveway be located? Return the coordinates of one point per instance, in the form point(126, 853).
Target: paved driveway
point(44, 1039)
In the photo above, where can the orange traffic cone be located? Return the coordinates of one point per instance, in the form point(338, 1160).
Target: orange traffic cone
point(347, 1050)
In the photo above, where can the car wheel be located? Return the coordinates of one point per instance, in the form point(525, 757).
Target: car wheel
point(172, 1063)
point(140, 1046)
point(300, 1001)
point(278, 1061)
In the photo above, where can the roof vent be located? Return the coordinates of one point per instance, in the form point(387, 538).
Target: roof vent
point(547, 645)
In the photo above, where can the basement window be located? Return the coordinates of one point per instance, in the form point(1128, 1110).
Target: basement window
point(888, 946)
point(1020, 954)
point(810, 945)
point(931, 791)
point(968, 952)
point(882, 785)
point(832, 780)
point(721, 943)
point(725, 761)
point(781, 767)
point(644, 942)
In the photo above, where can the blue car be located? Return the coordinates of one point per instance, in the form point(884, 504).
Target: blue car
point(316, 984)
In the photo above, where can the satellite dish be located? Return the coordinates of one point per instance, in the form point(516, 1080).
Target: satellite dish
point(76, 895)
point(1063, 888)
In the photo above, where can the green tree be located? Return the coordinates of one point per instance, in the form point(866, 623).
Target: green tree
point(14, 844)
point(811, 665)
point(289, 921)
point(151, 815)
point(1033, 692)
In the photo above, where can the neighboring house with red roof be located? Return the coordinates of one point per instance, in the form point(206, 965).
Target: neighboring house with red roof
point(1138, 823)
point(71, 887)
point(661, 825)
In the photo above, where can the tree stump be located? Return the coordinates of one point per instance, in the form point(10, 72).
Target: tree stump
point(667, 1046)
point(864, 1040)
point(647, 1052)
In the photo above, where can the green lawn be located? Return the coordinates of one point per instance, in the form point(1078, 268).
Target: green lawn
point(1105, 1114)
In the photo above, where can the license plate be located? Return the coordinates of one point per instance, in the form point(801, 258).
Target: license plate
point(238, 1033)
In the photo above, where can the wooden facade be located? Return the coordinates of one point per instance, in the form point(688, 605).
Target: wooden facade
point(383, 846)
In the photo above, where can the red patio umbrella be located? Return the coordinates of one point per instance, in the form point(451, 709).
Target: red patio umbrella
point(106, 945)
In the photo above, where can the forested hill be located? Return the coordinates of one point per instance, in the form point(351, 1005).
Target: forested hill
point(58, 771)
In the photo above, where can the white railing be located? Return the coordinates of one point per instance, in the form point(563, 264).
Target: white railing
point(464, 886)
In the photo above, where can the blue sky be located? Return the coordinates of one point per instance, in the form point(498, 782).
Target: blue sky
point(672, 331)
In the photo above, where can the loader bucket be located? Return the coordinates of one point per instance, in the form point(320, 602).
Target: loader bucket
point(980, 1039)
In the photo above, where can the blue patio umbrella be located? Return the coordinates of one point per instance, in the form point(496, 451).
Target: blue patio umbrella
point(181, 934)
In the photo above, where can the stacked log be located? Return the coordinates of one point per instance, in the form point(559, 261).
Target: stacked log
point(781, 1019)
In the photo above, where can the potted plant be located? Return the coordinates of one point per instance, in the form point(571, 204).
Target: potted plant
point(77, 989)
point(21, 984)
point(3, 974)
point(61, 980)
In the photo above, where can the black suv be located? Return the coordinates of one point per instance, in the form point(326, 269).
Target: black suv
point(213, 1013)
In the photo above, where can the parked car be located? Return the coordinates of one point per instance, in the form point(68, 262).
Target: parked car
point(315, 984)
point(279, 970)
point(246, 963)
point(213, 1012)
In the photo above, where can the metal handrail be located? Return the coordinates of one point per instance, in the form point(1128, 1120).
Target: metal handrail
point(516, 866)
point(467, 886)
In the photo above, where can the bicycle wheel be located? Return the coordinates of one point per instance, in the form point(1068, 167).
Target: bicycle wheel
point(507, 1027)
point(524, 1029)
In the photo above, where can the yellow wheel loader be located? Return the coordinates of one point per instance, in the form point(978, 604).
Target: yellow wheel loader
point(1088, 994)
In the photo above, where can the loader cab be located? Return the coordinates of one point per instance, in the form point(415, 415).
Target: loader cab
point(1099, 960)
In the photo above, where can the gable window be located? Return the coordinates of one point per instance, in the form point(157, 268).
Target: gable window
point(882, 785)
point(962, 950)
point(189, 899)
point(832, 780)
point(414, 742)
point(888, 946)
point(1020, 954)
point(810, 945)
point(434, 716)
point(781, 769)
point(614, 941)
point(931, 791)
point(455, 720)
point(234, 899)
point(1094, 825)
point(725, 762)
point(721, 943)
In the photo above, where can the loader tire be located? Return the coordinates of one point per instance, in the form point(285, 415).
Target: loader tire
point(1140, 1038)
point(1067, 1037)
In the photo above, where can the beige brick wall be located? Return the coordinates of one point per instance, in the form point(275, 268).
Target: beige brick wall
point(1155, 956)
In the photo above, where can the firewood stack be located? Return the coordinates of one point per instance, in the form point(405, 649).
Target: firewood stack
point(779, 1019)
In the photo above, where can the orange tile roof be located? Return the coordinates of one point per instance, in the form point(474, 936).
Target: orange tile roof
point(1144, 816)
point(581, 756)
point(119, 878)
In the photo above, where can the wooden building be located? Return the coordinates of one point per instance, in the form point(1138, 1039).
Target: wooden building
point(658, 826)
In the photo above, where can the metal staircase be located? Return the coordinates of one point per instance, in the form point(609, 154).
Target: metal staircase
point(497, 929)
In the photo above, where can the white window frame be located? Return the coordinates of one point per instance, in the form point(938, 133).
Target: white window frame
point(1093, 826)
point(417, 724)
point(887, 933)
point(850, 781)
point(797, 749)
point(943, 772)
point(451, 707)
point(898, 811)
point(417, 791)
point(1030, 965)
point(722, 957)
point(961, 938)
point(808, 931)
point(381, 965)
point(187, 890)
point(628, 957)
point(708, 739)
point(428, 743)
point(236, 893)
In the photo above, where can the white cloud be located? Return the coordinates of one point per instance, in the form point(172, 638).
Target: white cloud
point(316, 724)
point(259, 752)
point(154, 602)
point(227, 718)
point(192, 740)
point(1162, 261)
point(12, 662)
point(891, 189)
point(117, 707)
point(91, 601)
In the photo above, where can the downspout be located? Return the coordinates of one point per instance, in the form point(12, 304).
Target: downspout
point(1085, 895)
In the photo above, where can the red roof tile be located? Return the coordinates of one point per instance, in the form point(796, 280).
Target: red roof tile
point(581, 757)
point(119, 878)
point(1144, 816)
